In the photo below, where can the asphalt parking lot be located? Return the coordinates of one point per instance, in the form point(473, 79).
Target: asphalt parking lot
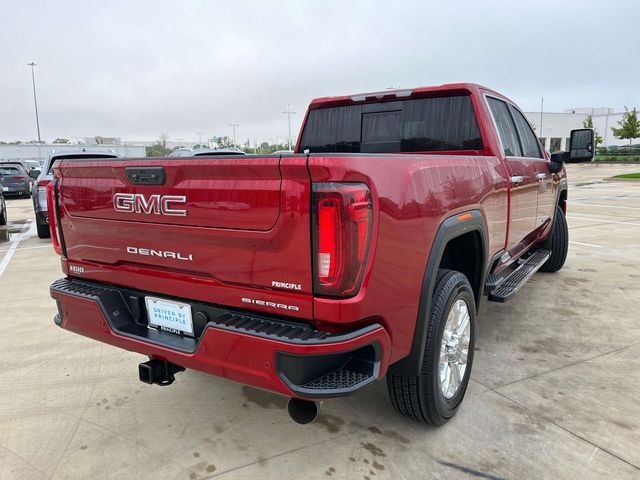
point(555, 390)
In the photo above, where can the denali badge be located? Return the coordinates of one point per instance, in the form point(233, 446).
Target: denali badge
point(149, 204)
point(270, 304)
point(160, 253)
point(290, 286)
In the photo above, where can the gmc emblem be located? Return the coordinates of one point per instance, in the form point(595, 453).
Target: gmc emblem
point(149, 204)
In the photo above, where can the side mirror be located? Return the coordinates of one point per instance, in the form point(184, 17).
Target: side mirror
point(581, 146)
point(35, 173)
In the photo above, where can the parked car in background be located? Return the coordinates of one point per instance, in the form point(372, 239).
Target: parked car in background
point(15, 179)
point(205, 152)
point(44, 177)
point(32, 164)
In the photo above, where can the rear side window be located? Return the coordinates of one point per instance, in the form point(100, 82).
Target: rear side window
point(430, 124)
point(530, 145)
point(10, 171)
point(506, 127)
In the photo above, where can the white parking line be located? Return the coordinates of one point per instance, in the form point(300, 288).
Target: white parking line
point(602, 221)
point(586, 244)
point(603, 206)
point(24, 233)
point(27, 248)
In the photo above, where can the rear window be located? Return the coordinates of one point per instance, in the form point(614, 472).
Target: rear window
point(10, 171)
point(429, 124)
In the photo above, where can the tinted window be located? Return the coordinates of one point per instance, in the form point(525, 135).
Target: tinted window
point(10, 171)
point(528, 140)
point(430, 124)
point(506, 127)
point(381, 132)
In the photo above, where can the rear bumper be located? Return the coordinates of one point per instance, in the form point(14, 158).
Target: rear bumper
point(266, 352)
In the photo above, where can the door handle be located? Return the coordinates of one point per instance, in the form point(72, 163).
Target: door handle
point(541, 176)
point(516, 179)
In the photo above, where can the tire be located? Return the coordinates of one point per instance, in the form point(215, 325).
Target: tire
point(422, 398)
point(43, 230)
point(3, 216)
point(558, 243)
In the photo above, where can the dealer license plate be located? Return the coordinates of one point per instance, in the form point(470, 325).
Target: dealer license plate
point(173, 316)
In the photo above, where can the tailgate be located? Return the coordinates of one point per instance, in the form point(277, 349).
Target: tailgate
point(228, 230)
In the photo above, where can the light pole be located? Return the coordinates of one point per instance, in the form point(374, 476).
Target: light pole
point(35, 100)
point(199, 139)
point(234, 125)
point(289, 111)
point(541, 110)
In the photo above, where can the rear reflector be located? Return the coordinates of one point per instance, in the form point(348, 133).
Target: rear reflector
point(53, 217)
point(341, 237)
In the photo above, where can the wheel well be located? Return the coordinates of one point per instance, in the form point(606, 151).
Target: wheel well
point(562, 200)
point(465, 254)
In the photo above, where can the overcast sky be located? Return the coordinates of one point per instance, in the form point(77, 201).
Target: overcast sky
point(133, 69)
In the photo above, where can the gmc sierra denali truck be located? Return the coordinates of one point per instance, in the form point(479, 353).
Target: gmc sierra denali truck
point(362, 255)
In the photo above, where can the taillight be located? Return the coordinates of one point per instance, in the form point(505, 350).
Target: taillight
point(53, 217)
point(341, 236)
point(43, 183)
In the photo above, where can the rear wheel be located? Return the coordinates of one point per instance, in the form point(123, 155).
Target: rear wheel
point(558, 243)
point(43, 230)
point(434, 396)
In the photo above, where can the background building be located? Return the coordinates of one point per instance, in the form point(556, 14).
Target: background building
point(556, 127)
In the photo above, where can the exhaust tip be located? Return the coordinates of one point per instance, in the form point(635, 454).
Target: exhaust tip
point(302, 411)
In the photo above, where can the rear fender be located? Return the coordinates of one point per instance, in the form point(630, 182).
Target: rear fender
point(449, 229)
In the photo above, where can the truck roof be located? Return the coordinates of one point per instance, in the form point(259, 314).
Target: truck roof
point(400, 93)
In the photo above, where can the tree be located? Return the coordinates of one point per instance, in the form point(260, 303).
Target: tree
point(159, 148)
point(629, 126)
point(61, 140)
point(162, 140)
point(588, 123)
point(223, 142)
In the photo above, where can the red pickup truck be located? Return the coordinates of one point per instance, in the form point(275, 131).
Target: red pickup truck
point(313, 275)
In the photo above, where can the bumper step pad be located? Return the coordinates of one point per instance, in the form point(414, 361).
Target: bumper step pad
point(126, 302)
point(338, 379)
point(511, 284)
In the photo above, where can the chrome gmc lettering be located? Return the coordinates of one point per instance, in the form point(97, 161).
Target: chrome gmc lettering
point(150, 204)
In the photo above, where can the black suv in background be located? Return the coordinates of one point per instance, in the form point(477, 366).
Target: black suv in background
point(40, 186)
point(15, 179)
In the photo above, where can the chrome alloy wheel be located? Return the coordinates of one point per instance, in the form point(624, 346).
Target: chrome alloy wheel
point(454, 348)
